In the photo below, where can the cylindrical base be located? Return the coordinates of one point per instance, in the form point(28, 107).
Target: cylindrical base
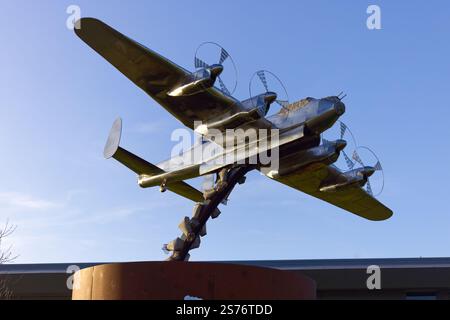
point(178, 280)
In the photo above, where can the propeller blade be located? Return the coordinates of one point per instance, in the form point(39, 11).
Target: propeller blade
point(223, 56)
point(369, 188)
point(200, 63)
point(264, 108)
point(262, 77)
point(223, 87)
point(343, 129)
point(378, 167)
point(325, 141)
point(379, 186)
point(357, 158)
point(350, 163)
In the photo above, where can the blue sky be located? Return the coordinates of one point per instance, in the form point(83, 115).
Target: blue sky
point(58, 99)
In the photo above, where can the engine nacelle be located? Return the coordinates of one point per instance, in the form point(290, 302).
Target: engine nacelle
point(324, 154)
point(350, 179)
point(232, 121)
point(197, 82)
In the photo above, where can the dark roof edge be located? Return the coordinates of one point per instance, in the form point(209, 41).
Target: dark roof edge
point(443, 262)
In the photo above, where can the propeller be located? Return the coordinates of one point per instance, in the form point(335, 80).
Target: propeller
point(344, 133)
point(211, 51)
point(344, 129)
point(269, 80)
point(377, 167)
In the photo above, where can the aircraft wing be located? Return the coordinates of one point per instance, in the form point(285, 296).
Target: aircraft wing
point(156, 75)
point(355, 200)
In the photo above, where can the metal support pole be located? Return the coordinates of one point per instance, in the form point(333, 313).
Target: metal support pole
point(194, 228)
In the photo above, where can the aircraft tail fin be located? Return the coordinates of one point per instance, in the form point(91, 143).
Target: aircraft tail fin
point(141, 166)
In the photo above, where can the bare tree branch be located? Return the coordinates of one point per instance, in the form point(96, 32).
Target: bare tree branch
point(5, 257)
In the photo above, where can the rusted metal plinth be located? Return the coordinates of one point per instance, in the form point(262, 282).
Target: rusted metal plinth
point(176, 280)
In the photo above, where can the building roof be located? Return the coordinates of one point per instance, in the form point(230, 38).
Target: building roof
point(318, 264)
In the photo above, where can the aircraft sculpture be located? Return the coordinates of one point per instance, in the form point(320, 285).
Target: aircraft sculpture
point(306, 159)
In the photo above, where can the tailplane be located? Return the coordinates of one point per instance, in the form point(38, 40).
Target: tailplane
point(141, 166)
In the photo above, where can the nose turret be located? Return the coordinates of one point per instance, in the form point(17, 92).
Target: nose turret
point(324, 113)
point(339, 108)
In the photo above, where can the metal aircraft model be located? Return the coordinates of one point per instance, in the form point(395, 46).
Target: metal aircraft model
point(306, 159)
